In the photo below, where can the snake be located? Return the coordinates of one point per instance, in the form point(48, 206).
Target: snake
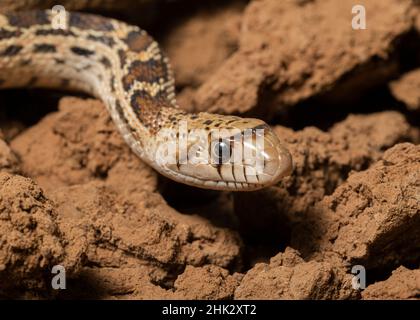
point(123, 66)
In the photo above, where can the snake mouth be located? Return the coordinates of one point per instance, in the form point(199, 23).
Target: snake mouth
point(212, 184)
point(276, 168)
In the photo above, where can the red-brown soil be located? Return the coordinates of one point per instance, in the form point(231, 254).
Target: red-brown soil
point(345, 103)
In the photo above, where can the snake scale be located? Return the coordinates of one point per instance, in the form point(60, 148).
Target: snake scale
point(124, 67)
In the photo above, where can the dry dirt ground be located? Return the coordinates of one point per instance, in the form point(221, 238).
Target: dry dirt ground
point(347, 105)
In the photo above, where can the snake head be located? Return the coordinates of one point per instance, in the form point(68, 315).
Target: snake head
point(229, 153)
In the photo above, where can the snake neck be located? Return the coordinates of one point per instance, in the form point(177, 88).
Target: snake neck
point(118, 63)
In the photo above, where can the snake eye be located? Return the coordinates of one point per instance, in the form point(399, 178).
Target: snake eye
point(221, 151)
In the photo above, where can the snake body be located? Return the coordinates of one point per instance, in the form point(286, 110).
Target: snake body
point(124, 67)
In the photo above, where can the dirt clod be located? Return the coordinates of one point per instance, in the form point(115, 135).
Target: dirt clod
point(295, 279)
point(30, 240)
point(402, 284)
point(407, 89)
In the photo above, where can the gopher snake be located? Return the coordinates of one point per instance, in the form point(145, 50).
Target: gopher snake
point(124, 67)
